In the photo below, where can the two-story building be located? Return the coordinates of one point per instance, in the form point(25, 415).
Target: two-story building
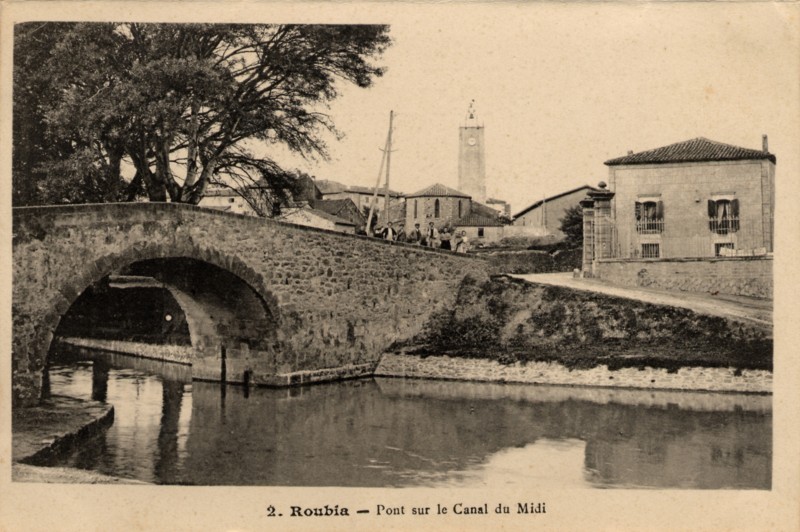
point(696, 216)
point(697, 198)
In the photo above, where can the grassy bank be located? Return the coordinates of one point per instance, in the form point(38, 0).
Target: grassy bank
point(511, 320)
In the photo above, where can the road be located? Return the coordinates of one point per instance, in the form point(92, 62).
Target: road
point(737, 307)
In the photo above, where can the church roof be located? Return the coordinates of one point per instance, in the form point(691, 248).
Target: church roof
point(438, 189)
point(694, 150)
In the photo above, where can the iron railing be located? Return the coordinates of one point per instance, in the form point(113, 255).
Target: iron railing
point(649, 226)
point(680, 239)
point(724, 226)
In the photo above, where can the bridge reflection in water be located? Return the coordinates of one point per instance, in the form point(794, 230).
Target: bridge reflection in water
point(393, 432)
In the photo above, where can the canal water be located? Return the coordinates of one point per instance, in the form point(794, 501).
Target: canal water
point(396, 432)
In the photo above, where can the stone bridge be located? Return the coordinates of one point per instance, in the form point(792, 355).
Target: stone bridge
point(263, 301)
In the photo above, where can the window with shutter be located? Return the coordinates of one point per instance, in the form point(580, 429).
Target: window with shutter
point(649, 216)
point(723, 216)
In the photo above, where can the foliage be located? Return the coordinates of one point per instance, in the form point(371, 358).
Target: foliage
point(572, 226)
point(510, 320)
point(179, 104)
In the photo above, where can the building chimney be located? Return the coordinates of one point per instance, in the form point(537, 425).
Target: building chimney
point(630, 152)
point(764, 144)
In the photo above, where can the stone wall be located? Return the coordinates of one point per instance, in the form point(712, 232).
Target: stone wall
point(338, 300)
point(693, 378)
point(531, 261)
point(744, 276)
point(179, 354)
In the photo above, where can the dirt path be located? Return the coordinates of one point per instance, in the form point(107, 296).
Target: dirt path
point(748, 309)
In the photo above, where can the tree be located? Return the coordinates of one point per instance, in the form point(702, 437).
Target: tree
point(182, 104)
point(572, 226)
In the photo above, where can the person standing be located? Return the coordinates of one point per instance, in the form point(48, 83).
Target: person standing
point(389, 233)
point(445, 238)
point(415, 235)
point(401, 233)
point(463, 243)
point(432, 236)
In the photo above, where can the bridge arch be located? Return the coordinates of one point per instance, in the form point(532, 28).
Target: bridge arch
point(228, 309)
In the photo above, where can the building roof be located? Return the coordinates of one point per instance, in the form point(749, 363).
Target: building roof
point(333, 206)
point(371, 190)
point(324, 215)
point(334, 187)
point(694, 150)
point(438, 189)
point(474, 219)
point(483, 210)
point(551, 198)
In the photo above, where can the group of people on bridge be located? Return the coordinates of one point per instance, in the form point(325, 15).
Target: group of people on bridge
point(429, 237)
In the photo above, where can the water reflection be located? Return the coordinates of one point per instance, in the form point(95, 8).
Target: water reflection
point(393, 432)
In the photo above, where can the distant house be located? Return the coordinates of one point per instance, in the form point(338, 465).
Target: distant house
point(697, 198)
point(316, 218)
point(254, 199)
point(226, 199)
point(361, 196)
point(437, 203)
point(480, 228)
point(341, 208)
point(543, 217)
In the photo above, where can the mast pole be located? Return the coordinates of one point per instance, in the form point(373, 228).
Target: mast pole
point(374, 198)
point(388, 163)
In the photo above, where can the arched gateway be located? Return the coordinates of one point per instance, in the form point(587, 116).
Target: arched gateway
point(287, 304)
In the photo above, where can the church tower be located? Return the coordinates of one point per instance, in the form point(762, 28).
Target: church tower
point(471, 153)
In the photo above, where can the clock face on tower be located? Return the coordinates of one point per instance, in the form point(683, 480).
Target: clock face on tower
point(471, 141)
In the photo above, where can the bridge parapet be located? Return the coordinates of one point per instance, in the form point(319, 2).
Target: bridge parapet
point(337, 300)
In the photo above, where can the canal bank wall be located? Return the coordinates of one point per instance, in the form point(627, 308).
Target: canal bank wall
point(553, 373)
point(179, 354)
point(55, 426)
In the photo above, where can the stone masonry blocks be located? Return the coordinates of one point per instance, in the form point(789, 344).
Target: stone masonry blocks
point(320, 280)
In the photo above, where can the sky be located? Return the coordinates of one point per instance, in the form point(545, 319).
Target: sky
point(561, 88)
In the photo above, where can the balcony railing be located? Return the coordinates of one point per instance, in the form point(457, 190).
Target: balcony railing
point(723, 226)
point(689, 238)
point(649, 226)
